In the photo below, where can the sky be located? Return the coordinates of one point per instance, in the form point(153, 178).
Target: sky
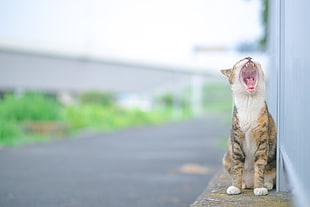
point(158, 31)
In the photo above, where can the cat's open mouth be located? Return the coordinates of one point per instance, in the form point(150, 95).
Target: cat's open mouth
point(249, 76)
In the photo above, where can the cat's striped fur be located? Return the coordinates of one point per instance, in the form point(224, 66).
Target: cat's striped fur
point(251, 151)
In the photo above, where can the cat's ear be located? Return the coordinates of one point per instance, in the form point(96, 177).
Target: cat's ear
point(227, 72)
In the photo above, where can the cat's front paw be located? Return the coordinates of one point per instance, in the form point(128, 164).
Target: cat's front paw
point(260, 191)
point(232, 190)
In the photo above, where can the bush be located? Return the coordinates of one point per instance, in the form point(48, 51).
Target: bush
point(9, 130)
point(37, 112)
point(110, 118)
point(15, 111)
point(19, 116)
point(94, 97)
point(30, 106)
point(166, 100)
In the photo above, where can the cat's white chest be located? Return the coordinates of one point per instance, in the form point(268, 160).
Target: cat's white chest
point(248, 111)
point(247, 119)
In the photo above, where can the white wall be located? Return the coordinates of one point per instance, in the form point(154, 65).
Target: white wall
point(289, 95)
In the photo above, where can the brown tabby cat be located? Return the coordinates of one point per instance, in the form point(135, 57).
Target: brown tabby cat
point(251, 153)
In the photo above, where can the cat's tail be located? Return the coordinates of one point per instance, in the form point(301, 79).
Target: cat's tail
point(227, 159)
point(227, 163)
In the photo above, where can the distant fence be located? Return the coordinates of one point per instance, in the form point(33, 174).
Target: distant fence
point(289, 96)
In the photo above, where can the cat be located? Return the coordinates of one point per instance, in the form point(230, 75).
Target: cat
point(251, 149)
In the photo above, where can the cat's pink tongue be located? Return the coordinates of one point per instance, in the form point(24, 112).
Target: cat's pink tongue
point(250, 83)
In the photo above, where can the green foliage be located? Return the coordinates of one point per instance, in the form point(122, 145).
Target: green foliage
point(109, 118)
point(96, 111)
point(94, 97)
point(30, 106)
point(166, 100)
point(99, 113)
point(265, 16)
point(14, 111)
point(9, 130)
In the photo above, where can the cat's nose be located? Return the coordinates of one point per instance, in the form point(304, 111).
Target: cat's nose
point(249, 58)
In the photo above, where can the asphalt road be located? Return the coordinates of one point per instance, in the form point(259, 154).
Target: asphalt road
point(159, 166)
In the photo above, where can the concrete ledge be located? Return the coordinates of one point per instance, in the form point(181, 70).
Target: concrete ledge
point(215, 195)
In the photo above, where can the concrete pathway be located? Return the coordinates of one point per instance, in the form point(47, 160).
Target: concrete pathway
point(162, 166)
point(215, 195)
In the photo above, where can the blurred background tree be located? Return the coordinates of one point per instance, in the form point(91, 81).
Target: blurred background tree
point(265, 11)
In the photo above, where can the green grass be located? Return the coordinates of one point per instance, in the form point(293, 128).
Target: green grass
point(15, 111)
point(110, 118)
point(31, 117)
point(9, 131)
point(30, 106)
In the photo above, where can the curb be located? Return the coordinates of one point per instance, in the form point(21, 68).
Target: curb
point(215, 195)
